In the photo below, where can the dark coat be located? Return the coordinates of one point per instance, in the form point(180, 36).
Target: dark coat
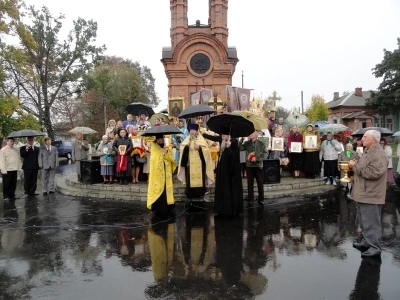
point(228, 198)
point(31, 158)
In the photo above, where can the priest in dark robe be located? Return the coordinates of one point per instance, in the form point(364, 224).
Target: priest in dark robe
point(228, 198)
point(195, 164)
point(160, 195)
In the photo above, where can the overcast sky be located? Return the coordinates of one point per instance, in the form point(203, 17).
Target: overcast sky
point(314, 46)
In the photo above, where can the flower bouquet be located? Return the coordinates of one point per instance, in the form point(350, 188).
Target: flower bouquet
point(251, 156)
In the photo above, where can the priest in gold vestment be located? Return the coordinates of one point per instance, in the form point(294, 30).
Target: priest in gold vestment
point(160, 194)
point(195, 165)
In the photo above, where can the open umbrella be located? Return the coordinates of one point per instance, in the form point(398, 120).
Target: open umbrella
point(298, 120)
point(197, 111)
point(397, 133)
point(164, 111)
point(163, 129)
point(320, 123)
point(137, 108)
point(239, 125)
point(333, 128)
point(258, 121)
point(156, 116)
point(83, 130)
point(383, 131)
point(25, 133)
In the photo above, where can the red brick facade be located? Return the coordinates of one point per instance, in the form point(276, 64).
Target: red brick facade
point(189, 40)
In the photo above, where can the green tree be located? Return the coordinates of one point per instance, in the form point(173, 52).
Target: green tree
point(11, 115)
point(121, 82)
point(53, 69)
point(318, 110)
point(387, 98)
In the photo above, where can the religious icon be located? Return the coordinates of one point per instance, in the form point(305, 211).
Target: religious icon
point(122, 149)
point(277, 144)
point(136, 143)
point(360, 150)
point(175, 107)
point(295, 147)
point(105, 150)
point(311, 142)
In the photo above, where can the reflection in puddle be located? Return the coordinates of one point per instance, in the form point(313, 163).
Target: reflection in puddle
point(69, 247)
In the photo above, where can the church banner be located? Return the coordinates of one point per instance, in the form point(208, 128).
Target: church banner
point(231, 97)
point(206, 95)
point(243, 96)
point(195, 98)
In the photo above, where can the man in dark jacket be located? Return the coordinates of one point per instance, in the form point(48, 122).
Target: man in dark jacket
point(30, 165)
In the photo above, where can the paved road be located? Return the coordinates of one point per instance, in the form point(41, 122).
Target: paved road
point(57, 247)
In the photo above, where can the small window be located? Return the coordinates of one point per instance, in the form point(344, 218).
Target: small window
point(334, 121)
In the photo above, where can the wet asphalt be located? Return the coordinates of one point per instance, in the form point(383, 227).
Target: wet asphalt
point(59, 247)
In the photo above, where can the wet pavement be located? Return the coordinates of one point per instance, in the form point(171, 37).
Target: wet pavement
point(58, 247)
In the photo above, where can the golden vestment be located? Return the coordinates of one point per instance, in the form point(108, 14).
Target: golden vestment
point(160, 176)
point(195, 162)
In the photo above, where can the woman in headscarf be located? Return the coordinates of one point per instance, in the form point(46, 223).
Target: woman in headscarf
point(138, 154)
point(275, 154)
point(106, 160)
point(295, 157)
point(122, 146)
point(111, 126)
point(312, 165)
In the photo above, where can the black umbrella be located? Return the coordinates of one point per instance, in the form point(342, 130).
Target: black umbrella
point(383, 131)
point(137, 108)
point(239, 126)
point(163, 129)
point(164, 111)
point(197, 111)
point(25, 133)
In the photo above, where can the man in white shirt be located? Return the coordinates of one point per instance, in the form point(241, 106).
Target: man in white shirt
point(10, 164)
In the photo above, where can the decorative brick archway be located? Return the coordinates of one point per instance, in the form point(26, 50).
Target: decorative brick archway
point(199, 55)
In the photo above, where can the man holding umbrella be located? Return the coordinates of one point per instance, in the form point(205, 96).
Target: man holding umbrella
point(30, 165)
point(10, 164)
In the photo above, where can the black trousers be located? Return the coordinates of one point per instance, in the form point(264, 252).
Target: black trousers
point(258, 174)
point(9, 184)
point(30, 181)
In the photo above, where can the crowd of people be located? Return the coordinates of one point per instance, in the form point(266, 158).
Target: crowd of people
point(125, 154)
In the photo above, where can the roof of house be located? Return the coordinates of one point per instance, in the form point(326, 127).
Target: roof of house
point(356, 114)
point(350, 100)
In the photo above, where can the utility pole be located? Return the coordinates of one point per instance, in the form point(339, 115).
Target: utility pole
point(242, 79)
point(302, 107)
point(105, 113)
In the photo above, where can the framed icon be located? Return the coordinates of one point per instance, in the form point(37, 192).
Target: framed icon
point(175, 107)
point(105, 150)
point(278, 144)
point(310, 142)
point(295, 147)
point(122, 149)
point(137, 143)
point(360, 150)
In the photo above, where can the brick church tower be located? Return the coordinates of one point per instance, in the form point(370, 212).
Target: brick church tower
point(199, 55)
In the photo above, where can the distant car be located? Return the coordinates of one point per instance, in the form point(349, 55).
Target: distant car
point(64, 148)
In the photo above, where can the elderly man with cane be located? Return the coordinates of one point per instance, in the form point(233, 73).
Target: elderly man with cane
point(369, 191)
